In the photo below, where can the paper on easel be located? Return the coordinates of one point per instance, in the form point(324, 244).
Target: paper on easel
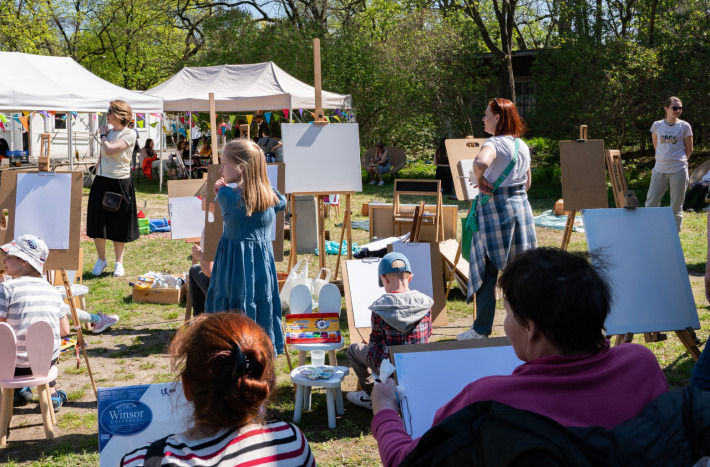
point(43, 208)
point(187, 219)
point(364, 289)
point(466, 167)
point(272, 172)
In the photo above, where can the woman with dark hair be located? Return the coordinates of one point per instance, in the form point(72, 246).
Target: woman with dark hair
point(149, 159)
point(380, 165)
point(226, 364)
point(556, 304)
point(112, 213)
point(443, 170)
point(504, 216)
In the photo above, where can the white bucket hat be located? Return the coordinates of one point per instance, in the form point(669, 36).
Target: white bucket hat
point(29, 248)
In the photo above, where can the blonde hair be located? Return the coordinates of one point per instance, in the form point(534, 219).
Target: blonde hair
point(122, 111)
point(257, 194)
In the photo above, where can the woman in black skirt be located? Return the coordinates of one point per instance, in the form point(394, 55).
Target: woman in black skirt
point(114, 177)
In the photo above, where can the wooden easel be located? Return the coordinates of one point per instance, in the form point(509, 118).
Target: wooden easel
point(43, 159)
point(623, 197)
point(80, 344)
point(417, 223)
point(419, 188)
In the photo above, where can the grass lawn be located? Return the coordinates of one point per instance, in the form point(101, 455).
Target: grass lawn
point(134, 351)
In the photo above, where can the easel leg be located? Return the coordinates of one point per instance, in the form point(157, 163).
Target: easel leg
point(340, 250)
point(687, 339)
point(348, 221)
point(453, 273)
point(321, 233)
point(293, 255)
point(568, 230)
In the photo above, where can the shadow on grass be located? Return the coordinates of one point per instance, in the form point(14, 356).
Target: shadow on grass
point(145, 343)
point(37, 450)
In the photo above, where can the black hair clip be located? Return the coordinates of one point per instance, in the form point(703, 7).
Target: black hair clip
point(241, 362)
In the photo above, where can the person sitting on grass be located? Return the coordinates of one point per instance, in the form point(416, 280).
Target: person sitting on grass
point(226, 364)
point(400, 316)
point(29, 298)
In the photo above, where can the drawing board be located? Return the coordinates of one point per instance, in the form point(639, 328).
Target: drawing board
point(647, 269)
point(432, 374)
point(469, 191)
point(465, 149)
point(43, 205)
point(428, 278)
point(382, 221)
point(49, 195)
point(583, 174)
point(214, 225)
point(187, 219)
point(361, 287)
point(322, 158)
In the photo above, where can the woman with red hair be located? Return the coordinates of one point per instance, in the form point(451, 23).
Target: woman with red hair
point(504, 216)
point(226, 364)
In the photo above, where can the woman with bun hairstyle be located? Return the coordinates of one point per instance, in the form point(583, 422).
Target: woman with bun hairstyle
point(506, 227)
point(226, 364)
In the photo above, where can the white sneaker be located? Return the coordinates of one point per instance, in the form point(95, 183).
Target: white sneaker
point(372, 182)
point(360, 398)
point(106, 322)
point(382, 182)
point(470, 334)
point(118, 272)
point(99, 267)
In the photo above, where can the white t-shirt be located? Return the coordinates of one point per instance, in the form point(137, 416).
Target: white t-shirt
point(505, 147)
point(118, 166)
point(670, 145)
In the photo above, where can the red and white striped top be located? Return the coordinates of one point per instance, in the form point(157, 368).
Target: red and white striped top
point(272, 443)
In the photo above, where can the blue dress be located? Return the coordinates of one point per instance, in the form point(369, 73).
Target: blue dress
point(244, 273)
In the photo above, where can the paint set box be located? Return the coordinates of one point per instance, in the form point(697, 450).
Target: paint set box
point(312, 328)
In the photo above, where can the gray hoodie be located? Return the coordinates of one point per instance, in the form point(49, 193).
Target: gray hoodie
point(404, 310)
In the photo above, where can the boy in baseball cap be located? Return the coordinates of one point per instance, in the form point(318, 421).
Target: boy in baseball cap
point(400, 316)
point(27, 298)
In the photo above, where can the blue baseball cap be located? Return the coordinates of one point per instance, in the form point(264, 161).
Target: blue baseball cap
point(386, 265)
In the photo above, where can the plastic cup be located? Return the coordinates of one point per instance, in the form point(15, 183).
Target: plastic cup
point(318, 357)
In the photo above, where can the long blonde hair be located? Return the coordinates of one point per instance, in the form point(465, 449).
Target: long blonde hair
point(257, 194)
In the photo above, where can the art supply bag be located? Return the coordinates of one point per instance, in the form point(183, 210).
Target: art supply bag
point(318, 283)
point(469, 225)
point(111, 201)
point(298, 275)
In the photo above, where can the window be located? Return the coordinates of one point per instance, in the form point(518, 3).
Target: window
point(60, 121)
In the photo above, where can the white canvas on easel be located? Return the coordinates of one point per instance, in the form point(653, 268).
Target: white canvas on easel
point(322, 158)
point(431, 378)
point(43, 207)
point(364, 289)
point(647, 269)
point(419, 256)
point(466, 167)
point(187, 219)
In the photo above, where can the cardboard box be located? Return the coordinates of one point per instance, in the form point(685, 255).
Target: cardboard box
point(160, 296)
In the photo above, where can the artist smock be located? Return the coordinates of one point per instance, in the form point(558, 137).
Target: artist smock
point(670, 146)
point(602, 389)
point(504, 146)
point(244, 274)
point(118, 166)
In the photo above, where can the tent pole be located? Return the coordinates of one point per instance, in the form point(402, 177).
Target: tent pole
point(213, 132)
point(161, 132)
point(69, 141)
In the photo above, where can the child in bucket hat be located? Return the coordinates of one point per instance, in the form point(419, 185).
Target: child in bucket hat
point(400, 316)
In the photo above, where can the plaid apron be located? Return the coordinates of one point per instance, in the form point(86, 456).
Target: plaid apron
point(506, 228)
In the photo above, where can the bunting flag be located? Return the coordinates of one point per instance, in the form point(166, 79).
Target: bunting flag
point(140, 116)
point(187, 134)
point(337, 118)
point(182, 132)
point(285, 111)
point(210, 127)
point(301, 111)
point(141, 123)
point(3, 118)
point(154, 124)
point(337, 112)
point(249, 119)
point(157, 116)
point(182, 120)
point(17, 119)
point(25, 113)
point(232, 119)
point(276, 117)
point(165, 130)
point(2, 126)
point(174, 129)
point(74, 114)
point(24, 121)
point(267, 116)
point(54, 112)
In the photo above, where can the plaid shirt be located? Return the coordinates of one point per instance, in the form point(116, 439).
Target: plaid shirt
point(506, 228)
point(383, 335)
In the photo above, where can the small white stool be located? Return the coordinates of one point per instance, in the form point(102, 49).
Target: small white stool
point(329, 348)
point(333, 392)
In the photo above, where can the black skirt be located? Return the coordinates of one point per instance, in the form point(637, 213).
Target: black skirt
point(120, 226)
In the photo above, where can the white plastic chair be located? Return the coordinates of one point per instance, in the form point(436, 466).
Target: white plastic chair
point(332, 200)
point(40, 347)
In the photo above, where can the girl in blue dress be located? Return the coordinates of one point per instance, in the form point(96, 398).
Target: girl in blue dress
point(244, 274)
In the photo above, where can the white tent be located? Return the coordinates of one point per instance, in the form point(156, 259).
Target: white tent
point(37, 82)
point(238, 88)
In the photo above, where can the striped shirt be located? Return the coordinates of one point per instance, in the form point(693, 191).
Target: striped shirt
point(273, 443)
point(25, 300)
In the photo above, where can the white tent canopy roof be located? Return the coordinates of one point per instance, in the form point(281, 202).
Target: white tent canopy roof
point(39, 82)
point(239, 88)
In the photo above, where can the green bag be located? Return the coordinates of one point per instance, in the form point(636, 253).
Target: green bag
point(469, 224)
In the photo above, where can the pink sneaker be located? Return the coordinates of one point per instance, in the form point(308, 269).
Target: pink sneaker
point(106, 322)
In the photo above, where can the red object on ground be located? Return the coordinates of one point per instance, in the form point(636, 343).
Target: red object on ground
point(141, 215)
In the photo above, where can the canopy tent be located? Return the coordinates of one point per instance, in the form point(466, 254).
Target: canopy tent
point(239, 88)
point(39, 82)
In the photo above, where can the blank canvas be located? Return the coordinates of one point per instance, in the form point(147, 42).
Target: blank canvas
point(467, 189)
point(187, 219)
point(419, 256)
point(364, 289)
point(322, 158)
point(42, 208)
point(647, 269)
point(272, 172)
point(431, 379)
